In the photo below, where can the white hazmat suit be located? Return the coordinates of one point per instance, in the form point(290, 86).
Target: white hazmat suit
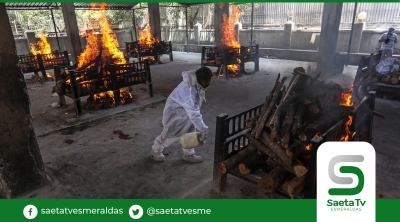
point(182, 113)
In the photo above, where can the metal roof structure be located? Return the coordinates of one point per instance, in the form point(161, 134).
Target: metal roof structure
point(57, 5)
point(78, 5)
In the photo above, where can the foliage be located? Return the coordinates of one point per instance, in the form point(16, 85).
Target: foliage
point(171, 16)
point(37, 19)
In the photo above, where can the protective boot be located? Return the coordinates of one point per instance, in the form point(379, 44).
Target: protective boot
point(159, 157)
point(192, 158)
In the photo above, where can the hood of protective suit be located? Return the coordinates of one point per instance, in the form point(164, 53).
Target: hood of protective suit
point(190, 78)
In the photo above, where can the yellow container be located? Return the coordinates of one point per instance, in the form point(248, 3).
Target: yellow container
point(191, 140)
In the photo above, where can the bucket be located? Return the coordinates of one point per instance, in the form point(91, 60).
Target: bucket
point(191, 140)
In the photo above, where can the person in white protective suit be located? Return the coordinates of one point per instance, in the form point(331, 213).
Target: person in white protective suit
point(182, 114)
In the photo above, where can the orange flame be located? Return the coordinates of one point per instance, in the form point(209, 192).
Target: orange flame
point(146, 36)
point(42, 46)
point(124, 95)
point(108, 39)
point(229, 35)
point(346, 97)
point(91, 50)
point(308, 147)
point(346, 101)
point(348, 132)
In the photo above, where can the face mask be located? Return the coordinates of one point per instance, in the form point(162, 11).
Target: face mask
point(201, 90)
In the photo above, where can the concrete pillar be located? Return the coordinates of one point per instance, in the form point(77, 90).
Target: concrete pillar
point(197, 28)
point(71, 26)
point(219, 10)
point(238, 27)
point(357, 36)
point(21, 165)
point(328, 39)
point(154, 19)
point(30, 37)
point(287, 35)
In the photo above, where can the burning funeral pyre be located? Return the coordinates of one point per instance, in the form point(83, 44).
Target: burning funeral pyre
point(101, 71)
point(148, 47)
point(280, 136)
point(42, 46)
point(230, 57)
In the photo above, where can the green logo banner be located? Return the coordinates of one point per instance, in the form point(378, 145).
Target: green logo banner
point(173, 210)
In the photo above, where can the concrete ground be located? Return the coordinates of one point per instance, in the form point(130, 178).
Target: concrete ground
point(106, 153)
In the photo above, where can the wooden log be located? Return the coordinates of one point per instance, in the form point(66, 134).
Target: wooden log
point(296, 148)
point(374, 79)
point(287, 126)
point(265, 149)
point(298, 119)
point(233, 161)
point(327, 120)
point(276, 148)
point(299, 169)
point(394, 80)
point(273, 180)
point(275, 121)
point(299, 73)
point(385, 79)
point(271, 162)
point(251, 163)
point(293, 186)
point(368, 79)
point(268, 111)
point(398, 78)
point(266, 105)
point(313, 109)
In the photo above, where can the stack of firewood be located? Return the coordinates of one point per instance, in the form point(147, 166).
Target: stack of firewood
point(374, 77)
point(280, 136)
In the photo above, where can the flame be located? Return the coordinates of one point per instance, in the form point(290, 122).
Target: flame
point(108, 39)
point(346, 97)
point(318, 134)
point(48, 75)
point(146, 36)
point(42, 46)
point(229, 35)
point(91, 50)
point(308, 147)
point(101, 97)
point(346, 101)
point(348, 132)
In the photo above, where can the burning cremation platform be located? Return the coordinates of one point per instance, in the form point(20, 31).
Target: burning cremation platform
point(112, 78)
point(42, 62)
point(230, 60)
point(152, 50)
point(274, 145)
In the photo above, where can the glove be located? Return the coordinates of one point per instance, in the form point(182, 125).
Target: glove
point(203, 136)
point(387, 41)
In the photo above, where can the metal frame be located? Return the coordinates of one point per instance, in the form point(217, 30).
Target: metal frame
point(229, 136)
point(35, 63)
point(367, 65)
point(111, 78)
point(247, 54)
